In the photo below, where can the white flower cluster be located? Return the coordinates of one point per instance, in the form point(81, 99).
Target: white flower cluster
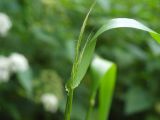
point(4, 69)
point(5, 24)
point(50, 102)
point(13, 64)
point(18, 62)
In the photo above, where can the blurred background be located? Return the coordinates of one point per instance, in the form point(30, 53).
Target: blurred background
point(37, 41)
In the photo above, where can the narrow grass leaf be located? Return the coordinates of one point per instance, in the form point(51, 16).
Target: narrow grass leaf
point(77, 51)
point(104, 76)
point(88, 50)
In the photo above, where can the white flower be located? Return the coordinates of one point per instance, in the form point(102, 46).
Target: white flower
point(50, 102)
point(5, 24)
point(12, 64)
point(4, 69)
point(18, 63)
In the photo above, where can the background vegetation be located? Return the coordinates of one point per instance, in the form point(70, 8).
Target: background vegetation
point(45, 32)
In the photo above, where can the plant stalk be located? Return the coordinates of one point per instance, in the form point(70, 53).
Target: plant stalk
point(91, 105)
point(89, 113)
point(69, 104)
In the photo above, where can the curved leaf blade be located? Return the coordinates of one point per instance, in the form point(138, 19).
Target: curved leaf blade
point(88, 50)
point(126, 23)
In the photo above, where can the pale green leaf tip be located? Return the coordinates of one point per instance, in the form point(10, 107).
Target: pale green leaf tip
point(156, 36)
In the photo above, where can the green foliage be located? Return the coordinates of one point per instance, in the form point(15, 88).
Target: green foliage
point(80, 65)
point(45, 31)
point(25, 79)
point(48, 82)
point(82, 61)
point(77, 74)
point(144, 101)
point(104, 76)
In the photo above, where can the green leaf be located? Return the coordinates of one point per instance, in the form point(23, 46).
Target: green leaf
point(77, 51)
point(25, 79)
point(104, 76)
point(137, 100)
point(86, 54)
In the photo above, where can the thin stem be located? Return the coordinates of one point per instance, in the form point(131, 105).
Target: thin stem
point(69, 104)
point(89, 113)
point(91, 105)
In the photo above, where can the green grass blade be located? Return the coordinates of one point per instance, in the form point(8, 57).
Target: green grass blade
point(126, 23)
point(88, 50)
point(80, 38)
point(104, 76)
point(77, 50)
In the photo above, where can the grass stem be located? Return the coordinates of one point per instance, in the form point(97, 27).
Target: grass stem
point(91, 105)
point(69, 104)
